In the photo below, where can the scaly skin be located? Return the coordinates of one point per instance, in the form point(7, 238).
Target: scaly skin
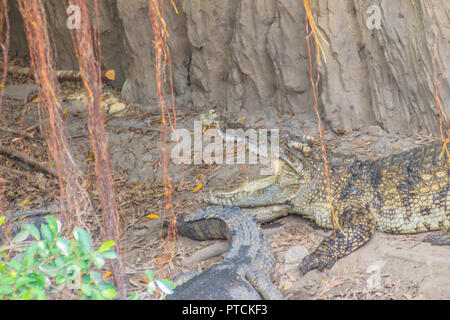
point(246, 270)
point(403, 193)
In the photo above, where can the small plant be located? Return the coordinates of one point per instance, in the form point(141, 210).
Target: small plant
point(50, 264)
point(166, 286)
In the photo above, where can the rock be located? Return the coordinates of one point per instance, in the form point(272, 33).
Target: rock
point(294, 257)
point(285, 282)
point(375, 131)
point(374, 280)
point(116, 107)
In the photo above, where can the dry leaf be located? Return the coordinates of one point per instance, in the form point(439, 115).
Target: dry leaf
point(198, 187)
point(258, 120)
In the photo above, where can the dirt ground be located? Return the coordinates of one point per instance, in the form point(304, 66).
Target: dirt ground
point(388, 267)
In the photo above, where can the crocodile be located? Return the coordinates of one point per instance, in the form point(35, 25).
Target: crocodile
point(402, 193)
point(245, 272)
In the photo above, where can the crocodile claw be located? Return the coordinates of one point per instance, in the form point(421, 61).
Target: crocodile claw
point(311, 262)
point(308, 263)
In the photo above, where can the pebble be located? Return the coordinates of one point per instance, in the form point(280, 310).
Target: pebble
point(375, 131)
point(374, 280)
point(294, 255)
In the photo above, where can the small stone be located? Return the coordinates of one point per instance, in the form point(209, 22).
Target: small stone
point(285, 282)
point(374, 280)
point(294, 257)
point(375, 131)
point(116, 107)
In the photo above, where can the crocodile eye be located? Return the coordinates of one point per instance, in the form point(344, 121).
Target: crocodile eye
point(306, 151)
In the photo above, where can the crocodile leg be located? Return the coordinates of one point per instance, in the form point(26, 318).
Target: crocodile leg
point(269, 213)
point(263, 285)
point(358, 226)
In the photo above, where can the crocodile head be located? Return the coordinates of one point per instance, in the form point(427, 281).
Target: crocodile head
point(290, 182)
point(289, 186)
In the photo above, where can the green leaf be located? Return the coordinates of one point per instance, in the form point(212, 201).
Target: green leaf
point(2, 220)
point(83, 237)
point(73, 274)
point(134, 296)
point(7, 279)
point(105, 246)
point(51, 271)
point(39, 293)
point(64, 246)
point(6, 290)
point(106, 285)
point(22, 281)
point(96, 277)
point(151, 287)
point(33, 230)
point(28, 256)
point(109, 293)
point(98, 261)
point(59, 262)
point(60, 279)
point(40, 280)
point(47, 234)
point(55, 226)
point(42, 249)
point(165, 285)
point(15, 262)
point(84, 265)
point(149, 274)
point(28, 294)
point(86, 289)
point(110, 254)
point(21, 236)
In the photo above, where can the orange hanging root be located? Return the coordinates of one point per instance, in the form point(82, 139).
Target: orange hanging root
point(310, 22)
